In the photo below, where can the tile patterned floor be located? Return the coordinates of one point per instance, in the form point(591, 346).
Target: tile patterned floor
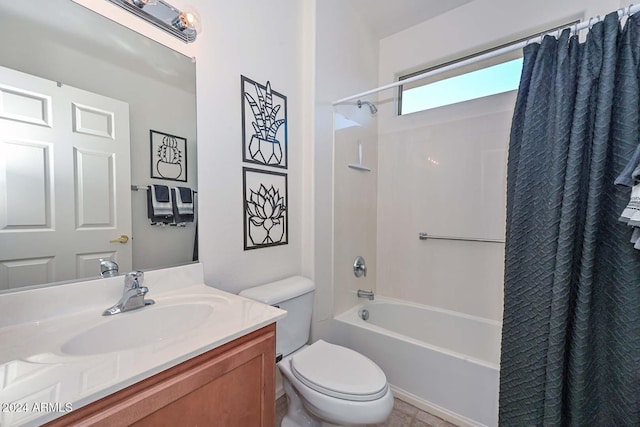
point(403, 415)
point(281, 409)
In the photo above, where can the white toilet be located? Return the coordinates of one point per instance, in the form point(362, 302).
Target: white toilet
point(326, 384)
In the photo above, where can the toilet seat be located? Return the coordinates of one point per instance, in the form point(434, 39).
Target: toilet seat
point(339, 372)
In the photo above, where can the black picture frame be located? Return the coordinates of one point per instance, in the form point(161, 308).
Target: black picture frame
point(266, 208)
point(262, 136)
point(168, 156)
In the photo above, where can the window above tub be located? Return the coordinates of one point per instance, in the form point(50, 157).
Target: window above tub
point(465, 85)
point(491, 74)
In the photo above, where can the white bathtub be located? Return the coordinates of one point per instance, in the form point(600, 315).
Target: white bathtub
point(441, 361)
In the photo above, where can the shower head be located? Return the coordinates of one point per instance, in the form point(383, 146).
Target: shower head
point(372, 107)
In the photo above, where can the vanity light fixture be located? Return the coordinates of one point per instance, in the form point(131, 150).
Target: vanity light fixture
point(143, 3)
point(181, 24)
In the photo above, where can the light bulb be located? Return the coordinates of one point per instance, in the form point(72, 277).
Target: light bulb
point(187, 21)
point(189, 18)
point(183, 21)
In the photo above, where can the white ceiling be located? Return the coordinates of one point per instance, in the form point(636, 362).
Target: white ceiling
point(386, 17)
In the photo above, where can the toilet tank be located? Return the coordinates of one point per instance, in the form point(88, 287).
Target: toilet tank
point(295, 295)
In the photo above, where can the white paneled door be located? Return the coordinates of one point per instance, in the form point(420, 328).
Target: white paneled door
point(64, 181)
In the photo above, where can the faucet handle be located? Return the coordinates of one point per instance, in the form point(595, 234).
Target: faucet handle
point(133, 280)
point(359, 267)
point(108, 268)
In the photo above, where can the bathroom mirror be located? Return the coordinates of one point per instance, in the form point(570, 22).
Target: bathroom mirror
point(117, 84)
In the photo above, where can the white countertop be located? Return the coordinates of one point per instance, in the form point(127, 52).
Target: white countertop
point(40, 381)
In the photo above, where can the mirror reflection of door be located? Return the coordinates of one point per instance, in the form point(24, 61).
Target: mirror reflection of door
point(64, 181)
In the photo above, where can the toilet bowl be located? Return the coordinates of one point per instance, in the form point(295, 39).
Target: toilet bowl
point(330, 385)
point(326, 384)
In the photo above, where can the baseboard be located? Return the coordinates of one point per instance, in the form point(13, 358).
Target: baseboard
point(434, 409)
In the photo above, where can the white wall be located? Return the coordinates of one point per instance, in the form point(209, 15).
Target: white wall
point(460, 276)
point(263, 41)
point(443, 172)
point(345, 62)
point(355, 206)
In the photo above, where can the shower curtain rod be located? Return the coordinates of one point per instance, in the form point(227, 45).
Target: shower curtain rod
point(630, 10)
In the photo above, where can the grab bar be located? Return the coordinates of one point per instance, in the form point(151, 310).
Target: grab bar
point(146, 187)
point(426, 236)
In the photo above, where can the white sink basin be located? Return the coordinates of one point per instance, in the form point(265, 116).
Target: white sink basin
point(138, 328)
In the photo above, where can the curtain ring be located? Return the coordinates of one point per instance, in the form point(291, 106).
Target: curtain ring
point(629, 10)
point(575, 29)
point(530, 40)
point(597, 20)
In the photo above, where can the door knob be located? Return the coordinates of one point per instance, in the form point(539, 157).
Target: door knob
point(122, 239)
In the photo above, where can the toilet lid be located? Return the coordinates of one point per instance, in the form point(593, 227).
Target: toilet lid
point(339, 372)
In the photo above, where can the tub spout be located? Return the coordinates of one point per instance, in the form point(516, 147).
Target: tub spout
point(366, 294)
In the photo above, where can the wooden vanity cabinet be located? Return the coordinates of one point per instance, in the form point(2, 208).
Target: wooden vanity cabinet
point(229, 386)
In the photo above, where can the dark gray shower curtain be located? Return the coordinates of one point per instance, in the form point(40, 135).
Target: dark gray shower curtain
point(571, 334)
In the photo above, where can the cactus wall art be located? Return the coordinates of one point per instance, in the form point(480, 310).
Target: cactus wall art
point(168, 156)
point(264, 124)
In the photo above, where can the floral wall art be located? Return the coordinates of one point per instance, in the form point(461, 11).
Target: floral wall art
point(264, 124)
point(265, 214)
point(168, 156)
point(264, 146)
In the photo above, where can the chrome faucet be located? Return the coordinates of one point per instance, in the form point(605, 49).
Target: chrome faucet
point(108, 268)
point(133, 296)
point(366, 294)
point(359, 267)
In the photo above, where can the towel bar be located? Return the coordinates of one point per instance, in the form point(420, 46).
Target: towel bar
point(144, 187)
point(426, 236)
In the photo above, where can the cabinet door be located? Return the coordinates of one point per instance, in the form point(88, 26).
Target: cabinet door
point(230, 400)
point(230, 386)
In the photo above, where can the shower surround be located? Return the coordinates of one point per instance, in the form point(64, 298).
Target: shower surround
point(440, 172)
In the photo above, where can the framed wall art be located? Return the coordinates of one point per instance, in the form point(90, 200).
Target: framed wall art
point(168, 156)
point(264, 124)
point(266, 220)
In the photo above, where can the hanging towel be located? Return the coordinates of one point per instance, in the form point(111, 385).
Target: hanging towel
point(186, 195)
point(195, 244)
point(159, 206)
point(629, 175)
point(630, 214)
point(183, 210)
point(161, 193)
